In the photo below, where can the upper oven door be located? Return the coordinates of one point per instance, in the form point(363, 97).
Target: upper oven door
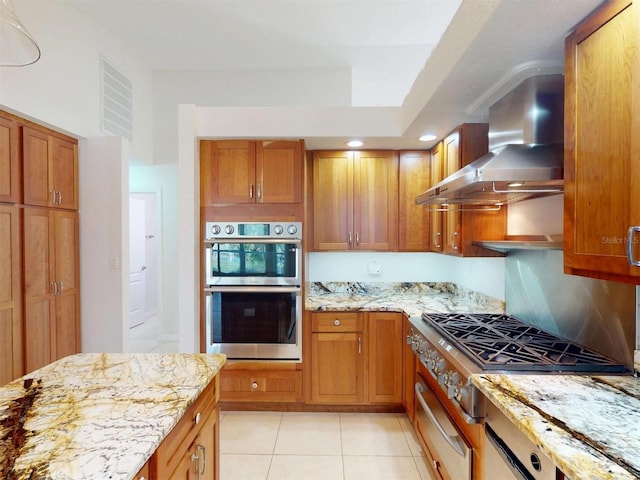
point(257, 261)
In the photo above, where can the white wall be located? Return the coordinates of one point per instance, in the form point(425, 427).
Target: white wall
point(484, 275)
point(104, 244)
point(62, 89)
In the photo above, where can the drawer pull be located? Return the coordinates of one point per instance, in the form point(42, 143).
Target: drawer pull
point(336, 322)
point(196, 419)
point(254, 385)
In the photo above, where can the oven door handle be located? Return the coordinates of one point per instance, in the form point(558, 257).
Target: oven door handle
point(254, 288)
point(454, 440)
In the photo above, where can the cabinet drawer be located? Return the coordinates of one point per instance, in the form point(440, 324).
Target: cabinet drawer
point(337, 322)
point(261, 385)
point(171, 450)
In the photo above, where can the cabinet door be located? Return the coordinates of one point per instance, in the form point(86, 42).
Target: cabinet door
point(413, 228)
point(206, 446)
point(39, 274)
point(435, 216)
point(451, 230)
point(67, 300)
point(10, 179)
point(375, 201)
point(385, 357)
point(64, 172)
point(601, 138)
point(11, 355)
point(332, 201)
point(337, 368)
point(279, 171)
point(38, 186)
point(228, 169)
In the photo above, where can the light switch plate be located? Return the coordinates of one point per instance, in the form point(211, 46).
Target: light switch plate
point(375, 268)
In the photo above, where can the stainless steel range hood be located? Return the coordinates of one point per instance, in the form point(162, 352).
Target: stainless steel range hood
point(526, 146)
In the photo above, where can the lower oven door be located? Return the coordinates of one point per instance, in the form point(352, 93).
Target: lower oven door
point(254, 323)
point(452, 455)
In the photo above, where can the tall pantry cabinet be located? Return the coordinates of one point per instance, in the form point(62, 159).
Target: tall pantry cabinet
point(39, 254)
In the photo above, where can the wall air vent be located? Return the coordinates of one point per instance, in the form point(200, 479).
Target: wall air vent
point(116, 114)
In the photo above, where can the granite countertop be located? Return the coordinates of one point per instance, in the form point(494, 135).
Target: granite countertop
point(90, 416)
point(410, 298)
point(587, 425)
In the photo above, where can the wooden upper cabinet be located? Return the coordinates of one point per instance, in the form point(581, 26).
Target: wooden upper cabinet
point(11, 351)
point(602, 144)
point(279, 171)
point(10, 174)
point(413, 220)
point(241, 171)
point(332, 200)
point(461, 225)
point(51, 294)
point(355, 200)
point(435, 216)
point(50, 169)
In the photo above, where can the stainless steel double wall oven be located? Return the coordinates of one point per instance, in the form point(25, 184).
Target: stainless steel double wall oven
point(253, 289)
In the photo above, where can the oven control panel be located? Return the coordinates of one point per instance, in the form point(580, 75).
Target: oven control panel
point(248, 230)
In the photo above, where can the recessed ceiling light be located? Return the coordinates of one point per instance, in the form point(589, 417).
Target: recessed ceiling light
point(355, 143)
point(427, 138)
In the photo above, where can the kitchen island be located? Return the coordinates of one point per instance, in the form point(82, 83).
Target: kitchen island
point(91, 416)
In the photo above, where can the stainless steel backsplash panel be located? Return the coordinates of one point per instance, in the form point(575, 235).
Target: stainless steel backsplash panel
point(595, 313)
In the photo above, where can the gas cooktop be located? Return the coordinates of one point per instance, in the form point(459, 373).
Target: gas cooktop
point(502, 342)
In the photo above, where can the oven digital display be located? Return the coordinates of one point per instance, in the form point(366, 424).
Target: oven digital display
point(253, 229)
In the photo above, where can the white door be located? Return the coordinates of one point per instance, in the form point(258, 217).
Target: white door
point(137, 276)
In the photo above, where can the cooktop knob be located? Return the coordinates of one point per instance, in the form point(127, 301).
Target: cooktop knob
point(278, 229)
point(228, 229)
point(292, 229)
point(216, 229)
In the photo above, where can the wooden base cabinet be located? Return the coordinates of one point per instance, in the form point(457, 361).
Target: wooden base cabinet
point(52, 296)
point(408, 371)
point(11, 343)
point(261, 382)
point(602, 145)
point(355, 358)
point(191, 450)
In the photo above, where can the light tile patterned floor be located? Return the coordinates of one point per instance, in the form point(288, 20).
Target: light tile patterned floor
point(323, 446)
point(146, 338)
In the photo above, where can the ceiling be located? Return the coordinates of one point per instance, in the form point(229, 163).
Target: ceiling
point(440, 62)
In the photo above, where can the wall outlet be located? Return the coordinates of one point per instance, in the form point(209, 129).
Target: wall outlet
point(375, 268)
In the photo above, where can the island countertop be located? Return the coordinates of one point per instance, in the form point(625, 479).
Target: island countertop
point(90, 416)
point(588, 425)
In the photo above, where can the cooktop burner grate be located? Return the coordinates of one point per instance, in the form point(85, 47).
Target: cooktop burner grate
point(502, 342)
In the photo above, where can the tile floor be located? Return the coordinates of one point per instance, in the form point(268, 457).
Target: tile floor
point(323, 446)
point(145, 338)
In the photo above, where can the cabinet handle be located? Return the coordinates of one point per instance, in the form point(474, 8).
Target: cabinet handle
point(60, 288)
point(359, 344)
point(336, 322)
point(196, 458)
point(259, 191)
point(54, 288)
point(201, 448)
point(350, 238)
point(196, 419)
point(357, 238)
point(53, 197)
point(251, 191)
point(632, 230)
point(59, 198)
point(254, 385)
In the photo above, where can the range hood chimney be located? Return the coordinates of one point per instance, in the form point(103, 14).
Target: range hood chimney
point(526, 144)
